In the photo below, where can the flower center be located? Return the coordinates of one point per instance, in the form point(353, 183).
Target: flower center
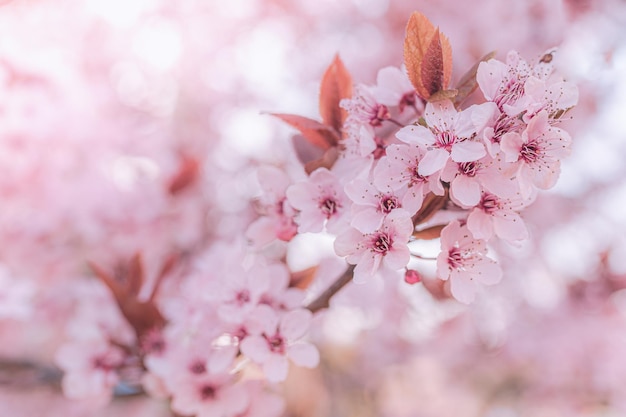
point(388, 203)
point(445, 140)
point(530, 151)
point(242, 297)
point(455, 258)
point(197, 367)
point(381, 243)
point(328, 207)
point(468, 168)
point(489, 203)
point(207, 392)
point(276, 343)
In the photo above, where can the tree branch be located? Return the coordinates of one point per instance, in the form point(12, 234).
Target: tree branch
point(323, 300)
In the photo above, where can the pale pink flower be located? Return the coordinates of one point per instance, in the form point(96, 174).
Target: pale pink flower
point(393, 88)
point(209, 395)
point(279, 339)
point(371, 205)
point(384, 249)
point(499, 216)
point(91, 370)
point(464, 262)
point(277, 220)
point(320, 200)
point(399, 169)
point(537, 153)
point(450, 134)
point(364, 109)
point(468, 179)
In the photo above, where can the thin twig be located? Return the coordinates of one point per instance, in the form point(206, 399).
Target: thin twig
point(323, 300)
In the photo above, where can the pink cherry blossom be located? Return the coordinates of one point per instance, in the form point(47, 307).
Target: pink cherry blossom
point(371, 205)
point(91, 370)
point(277, 220)
point(450, 134)
point(393, 88)
point(321, 201)
point(536, 153)
point(399, 169)
point(499, 216)
point(364, 109)
point(464, 263)
point(208, 395)
point(279, 339)
point(384, 249)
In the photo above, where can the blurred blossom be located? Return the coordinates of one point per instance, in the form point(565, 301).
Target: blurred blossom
point(132, 132)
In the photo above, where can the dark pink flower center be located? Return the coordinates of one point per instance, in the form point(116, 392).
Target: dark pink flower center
point(530, 151)
point(468, 168)
point(242, 297)
point(445, 140)
point(380, 113)
point(329, 207)
point(197, 367)
point(276, 343)
point(208, 392)
point(455, 258)
point(489, 203)
point(416, 178)
point(381, 243)
point(388, 203)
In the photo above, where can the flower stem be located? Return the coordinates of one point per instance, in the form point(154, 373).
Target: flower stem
point(323, 300)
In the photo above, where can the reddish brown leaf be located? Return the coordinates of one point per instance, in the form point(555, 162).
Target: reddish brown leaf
point(467, 84)
point(427, 56)
point(327, 161)
point(429, 233)
point(336, 85)
point(419, 32)
point(432, 66)
point(302, 279)
point(316, 133)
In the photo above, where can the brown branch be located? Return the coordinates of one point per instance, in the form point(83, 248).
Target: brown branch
point(323, 300)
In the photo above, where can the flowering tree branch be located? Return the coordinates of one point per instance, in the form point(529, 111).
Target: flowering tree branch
point(323, 300)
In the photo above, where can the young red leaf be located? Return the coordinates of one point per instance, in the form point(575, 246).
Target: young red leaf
point(432, 66)
point(427, 56)
point(316, 133)
point(336, 85)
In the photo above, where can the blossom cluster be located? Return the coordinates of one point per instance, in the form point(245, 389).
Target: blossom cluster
point(410, 167)
point(213, 328)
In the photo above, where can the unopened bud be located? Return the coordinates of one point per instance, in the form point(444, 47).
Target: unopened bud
point(412, 277)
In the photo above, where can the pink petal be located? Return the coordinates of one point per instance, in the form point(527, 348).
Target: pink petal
point(416, 135)
point(304, 354)
point(367, 220)
point(256, 348)
point(346, 243)
point(511, 228)
point(480, 224)
point(465, 190)
point(398, 257)
point(511, 144)
point(467, 151)
point(276, 368)
point(433, 161)
point(295, 323)
point(462, 288)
